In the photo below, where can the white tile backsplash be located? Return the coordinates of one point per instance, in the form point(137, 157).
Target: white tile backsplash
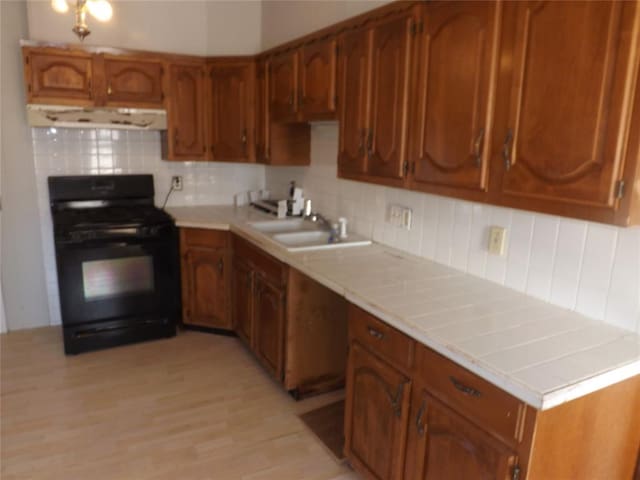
point(583, 266)
point(100, 151)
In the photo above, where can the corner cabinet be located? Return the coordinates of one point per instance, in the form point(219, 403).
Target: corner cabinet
point(283, 87)
point(375, 74)
point(413, 414)
point(186, 116)
point(230, 88)
point(205, 278)
point(318, 65)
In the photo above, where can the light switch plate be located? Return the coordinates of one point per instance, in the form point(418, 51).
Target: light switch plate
point(399, 216)
point(497, 240)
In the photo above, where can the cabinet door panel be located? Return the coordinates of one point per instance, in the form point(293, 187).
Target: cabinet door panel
point(262, 113)
point(186, 116)
point(376, 415)
point(568, 99)
point(268, 314)
point(390, 51)
point(448, 446)
point(230, 111)
point(283, 86)
point(455, 58)
point(242, 300)
point(318, 80)
point(207, 291)
point(133, 82)
point(354, 97)
point(60, 78)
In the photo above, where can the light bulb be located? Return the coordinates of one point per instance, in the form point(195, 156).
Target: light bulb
point(100, 9)
point(60, 6)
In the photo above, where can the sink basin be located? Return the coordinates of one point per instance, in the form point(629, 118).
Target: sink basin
point(283, 225)
point(316, 240)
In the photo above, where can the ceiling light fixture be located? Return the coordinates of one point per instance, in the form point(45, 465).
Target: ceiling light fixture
point(99, 9)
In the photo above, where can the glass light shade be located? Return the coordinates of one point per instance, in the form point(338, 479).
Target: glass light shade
point(60, 6)
point(100, 9)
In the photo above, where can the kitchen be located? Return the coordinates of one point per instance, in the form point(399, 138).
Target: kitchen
point(564, 243)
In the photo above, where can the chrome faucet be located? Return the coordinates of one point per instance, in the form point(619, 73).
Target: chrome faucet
point(317, 218)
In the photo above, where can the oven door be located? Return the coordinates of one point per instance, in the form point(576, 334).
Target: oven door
point(110, 279)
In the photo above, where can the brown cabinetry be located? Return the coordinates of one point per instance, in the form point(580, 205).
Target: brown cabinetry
point(318, 64)
point(455, 58)
point(186, 133)
point(565, 106)
point(462, 426)
point(132, 82)
point(242, 295)
point(283, 87)
point(374, 148)
point(269, 320)
point(230, 105)
point(205, 278)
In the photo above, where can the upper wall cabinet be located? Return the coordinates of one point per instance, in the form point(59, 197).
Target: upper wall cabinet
point(283, 87)
point(455, 56)
point(565, 141)
point(374, 86)
point(186, 115)
point(75, 77)
point(231, 103)
point(58, 77)
point(132, 82)
point(318, 80)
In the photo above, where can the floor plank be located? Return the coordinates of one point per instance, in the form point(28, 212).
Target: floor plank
point(197, 406)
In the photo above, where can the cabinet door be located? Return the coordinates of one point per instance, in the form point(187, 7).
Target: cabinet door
point(452, 118)
point(390, 54)
point(262, 113)
point(242, 288)
point(230, 107)
point(283, 87)
point(268, 317)
point(186, 115)
point(442, 444)
point(354, 101)
point(318, 80)
point(206, 289)
point(376, 415)
point(59, 78)
point(133, 82)
point(567, 102)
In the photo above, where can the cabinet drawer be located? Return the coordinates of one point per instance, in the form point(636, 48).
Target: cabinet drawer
point(202, 237)
point(380, 338)
point(271, 268)
point(465, 392)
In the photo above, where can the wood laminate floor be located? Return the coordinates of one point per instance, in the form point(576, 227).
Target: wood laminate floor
point(197, 406)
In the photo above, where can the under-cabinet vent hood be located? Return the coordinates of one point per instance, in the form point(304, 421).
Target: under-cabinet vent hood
point(80, 117)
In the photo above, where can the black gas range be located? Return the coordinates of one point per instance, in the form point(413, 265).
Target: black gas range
point(117, 261)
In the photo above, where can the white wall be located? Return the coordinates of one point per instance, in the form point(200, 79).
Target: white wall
point(190, 27)
point(284, 20)
point(22, 266)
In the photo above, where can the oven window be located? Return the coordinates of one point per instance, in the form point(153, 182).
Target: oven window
point(120, 276)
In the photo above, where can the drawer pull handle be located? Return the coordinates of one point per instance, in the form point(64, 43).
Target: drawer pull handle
point(472, 392)
point(375, 333)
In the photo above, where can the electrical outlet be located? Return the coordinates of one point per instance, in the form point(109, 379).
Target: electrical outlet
point(399, 216)
point(497, 240)
point(176, 182)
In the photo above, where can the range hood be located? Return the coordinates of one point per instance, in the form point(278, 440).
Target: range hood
point(80, 117)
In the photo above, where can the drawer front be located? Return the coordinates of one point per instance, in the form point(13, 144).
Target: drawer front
point(482, 402)
point(271, 268)
point(380, 338)
point(202, 237)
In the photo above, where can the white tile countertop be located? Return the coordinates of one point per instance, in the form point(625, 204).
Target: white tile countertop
point(538, 352)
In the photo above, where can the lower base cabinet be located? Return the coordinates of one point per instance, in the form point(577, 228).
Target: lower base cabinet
point(413, 414)
point(294, 326)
